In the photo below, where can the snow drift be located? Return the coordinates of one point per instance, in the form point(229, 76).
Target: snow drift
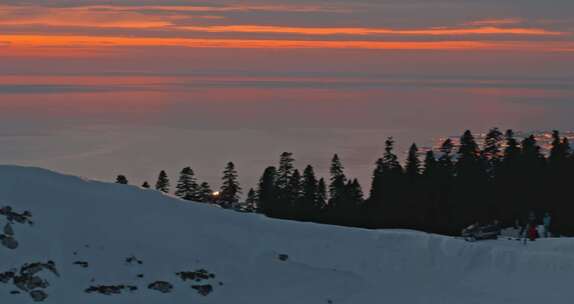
point(100, 234)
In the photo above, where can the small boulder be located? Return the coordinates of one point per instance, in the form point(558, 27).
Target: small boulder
point(8, 242)
point(8, 230)
point(38, 295)
point(203, 290)
point(5, 277)
point(82, 264)
point(283, 257)
point(161, 286)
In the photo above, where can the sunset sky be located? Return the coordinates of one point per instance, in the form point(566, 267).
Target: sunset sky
point(99, 88)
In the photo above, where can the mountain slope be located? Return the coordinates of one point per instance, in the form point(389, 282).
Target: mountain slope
point(254, 259)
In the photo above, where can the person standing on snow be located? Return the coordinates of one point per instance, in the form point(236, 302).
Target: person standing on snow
point(547, 220)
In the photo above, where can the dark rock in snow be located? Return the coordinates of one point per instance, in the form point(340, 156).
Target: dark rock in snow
point(38, 295)
point(5, 277)
point(198, 275)
point(283, 257)
point(133, 260)
point(15, 292)
point(29, 282)
point(8, 242)
point(82, 264)
point(8, 230)
point(161, 286)
point(33, 268)
point(11, 216)
point(110, 289)
point(203, 290)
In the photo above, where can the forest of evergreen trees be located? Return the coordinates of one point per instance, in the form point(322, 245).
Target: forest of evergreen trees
point(444, 191)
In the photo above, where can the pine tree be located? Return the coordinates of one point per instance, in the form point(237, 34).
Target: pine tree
point(146, 185)
point(122, 179)
point(205, 193)
point(444, 183)
point(187, 187)
point(394, 210)
point(491, 155)
point(307, 207)
point(294, 193)
point(162, 182)
point(430, 165)
point(558, 177)
point(445, 160)
point(338, 180)
point(283, 205)
point(470, 205)
point(377, 186)
point(266, 192)
point(508, 180)
point(251, 201)
point(355, 192)
point(413, 164)
point(230, 188)
point(430, 193)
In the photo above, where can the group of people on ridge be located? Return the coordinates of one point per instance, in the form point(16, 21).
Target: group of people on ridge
point(530, 229)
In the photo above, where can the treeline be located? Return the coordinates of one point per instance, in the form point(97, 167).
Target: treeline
point(440, 192)
point(189, 188)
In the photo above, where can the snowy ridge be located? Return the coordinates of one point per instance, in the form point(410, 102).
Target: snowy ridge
point(103, 224)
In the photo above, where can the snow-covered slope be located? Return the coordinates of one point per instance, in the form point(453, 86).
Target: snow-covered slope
point(103, 224)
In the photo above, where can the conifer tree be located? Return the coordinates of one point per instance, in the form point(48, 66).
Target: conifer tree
point(283, 194)
point(187, 187)
point(251, 201)
point(377, 186)
point(470, 205)
point(162, 182)
point(230, 188)
point(508, 180)
point(430, 165)
point(445, 160)
point(294, 193)
point(266, 192)
point(468, 153)
point(355, 192)
point(307, 207)
point(394, 210)
point(491, 155)
point(146, 185)
point(122, 179)
point(338, 180)
point(413, 164)
point(205, 193)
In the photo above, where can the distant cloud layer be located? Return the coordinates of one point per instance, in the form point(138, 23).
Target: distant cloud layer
point(423, 25)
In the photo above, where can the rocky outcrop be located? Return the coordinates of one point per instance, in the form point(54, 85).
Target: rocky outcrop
point(110, 289)
point(11, 216)
point(28, 279)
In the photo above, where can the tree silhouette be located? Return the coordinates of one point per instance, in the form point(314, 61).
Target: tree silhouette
point(162, 183)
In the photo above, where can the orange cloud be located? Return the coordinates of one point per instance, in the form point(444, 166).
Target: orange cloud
point(494, 22)
point(370, 31)
point(73, 17)
point(102, 42)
